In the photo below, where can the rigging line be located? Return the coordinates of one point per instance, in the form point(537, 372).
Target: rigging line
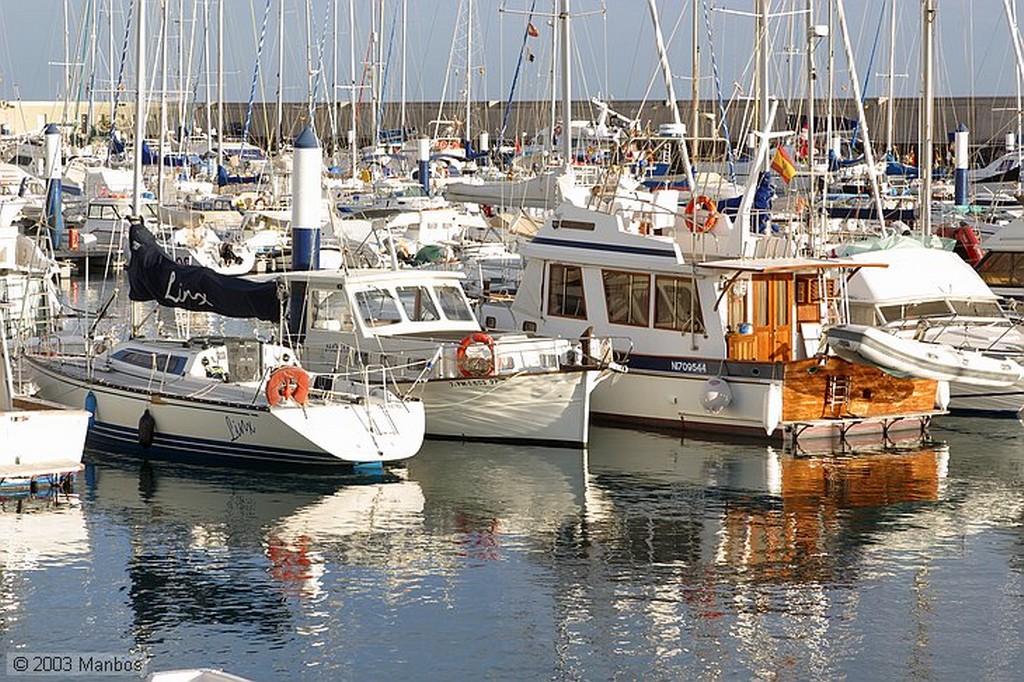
point(384, 83)
point(320, 59)
point(255, 74)
point(120, 78)
point(515, 74)
point(867, 75)
point(723, 124)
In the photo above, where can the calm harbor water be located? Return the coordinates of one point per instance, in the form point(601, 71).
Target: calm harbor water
point(645, 557)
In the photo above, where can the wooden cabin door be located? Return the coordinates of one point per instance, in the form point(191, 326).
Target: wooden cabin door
point(773, 317)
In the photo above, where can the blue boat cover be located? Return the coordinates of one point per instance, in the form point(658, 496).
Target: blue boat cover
point(154, 276)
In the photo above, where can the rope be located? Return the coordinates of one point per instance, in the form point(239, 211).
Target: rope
point(867, 76)
point(718, 91)
point(255, 74)
point(515, 75)
point(120, 77)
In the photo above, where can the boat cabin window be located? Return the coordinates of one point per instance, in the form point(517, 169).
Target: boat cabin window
point(976, 308)
point(565, 292)
point(377, 307)
point(418, 305)
point(1002, 269)
point(161, 362)
point(454, 304)
point(863, 313)
point(627, 297)
point(676, 305)
point(330, 311)
point(103, 212)
point(910, 311)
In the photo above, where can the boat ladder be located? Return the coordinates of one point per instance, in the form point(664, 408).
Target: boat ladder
point(837, 394)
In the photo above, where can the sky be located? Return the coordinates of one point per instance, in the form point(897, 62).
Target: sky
point(614, 53)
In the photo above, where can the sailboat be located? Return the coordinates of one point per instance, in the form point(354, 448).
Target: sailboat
point(224, 401)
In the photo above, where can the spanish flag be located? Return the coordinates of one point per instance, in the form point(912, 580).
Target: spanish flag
point(783, 165)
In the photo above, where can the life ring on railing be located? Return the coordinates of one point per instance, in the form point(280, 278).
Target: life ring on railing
point(706, 204)
point(259, 204)
point(291, 383)
point(967, 239)
point(475, 366)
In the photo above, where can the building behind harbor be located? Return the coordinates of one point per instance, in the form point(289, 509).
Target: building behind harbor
point(989, 119)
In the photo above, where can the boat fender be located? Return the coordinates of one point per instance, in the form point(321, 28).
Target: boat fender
point(291, 383)
point(147, 429)
point(942, 395)
point(715, 395)
point(90, 406)
point(475, 367)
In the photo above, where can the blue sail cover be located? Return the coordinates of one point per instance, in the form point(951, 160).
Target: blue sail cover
point(154, 276)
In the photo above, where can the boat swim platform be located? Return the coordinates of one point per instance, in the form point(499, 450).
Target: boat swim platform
point(850, 433)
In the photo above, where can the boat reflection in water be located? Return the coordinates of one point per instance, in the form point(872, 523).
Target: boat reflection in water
point(223, 549)
point(737, 559)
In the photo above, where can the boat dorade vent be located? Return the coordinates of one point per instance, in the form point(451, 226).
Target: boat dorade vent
point(245, 361)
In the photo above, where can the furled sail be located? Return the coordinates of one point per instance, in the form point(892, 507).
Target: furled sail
point(155, 276)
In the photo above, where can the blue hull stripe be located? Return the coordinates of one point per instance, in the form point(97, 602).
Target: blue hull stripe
point(200, 450)
point(613, 248)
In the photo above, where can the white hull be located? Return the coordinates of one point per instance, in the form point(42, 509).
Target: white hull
point(232, 424)
point(674, 400)
point(41, 439)
point(552, 408)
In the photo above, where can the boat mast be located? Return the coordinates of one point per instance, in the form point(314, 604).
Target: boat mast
point(469, 67)
point(695, 96)
point(140, 108)
point(762, 62)
point(812, 35)
point(927, 113)
point(666, 71)
point(566, 137)
point(352, 146)
point(279, 127)
point(869, 156)
point(220, 84)
point(1011, 17)
point(890, 113)
point(164, 34)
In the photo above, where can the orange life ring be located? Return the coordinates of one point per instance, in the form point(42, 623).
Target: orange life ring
point(475, 367)
point(706, 204)
point(291, 383)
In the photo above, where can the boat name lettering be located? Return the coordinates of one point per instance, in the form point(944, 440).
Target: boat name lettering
point(476, 382)
point(240, 427)
point(182, 295)
point(689, 367)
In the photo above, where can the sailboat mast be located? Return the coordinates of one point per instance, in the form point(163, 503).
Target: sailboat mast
point(695, 96)
point(811, 189)
point(666, 71)
point(140, 107)
point(566, 137)
point(869, 156)
point(279, 127)
point(352, 146)
point(927, 113)
point(469, 67)
point(762, 62)
point(164, 34)
point(220, 83)
point(890, 113)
